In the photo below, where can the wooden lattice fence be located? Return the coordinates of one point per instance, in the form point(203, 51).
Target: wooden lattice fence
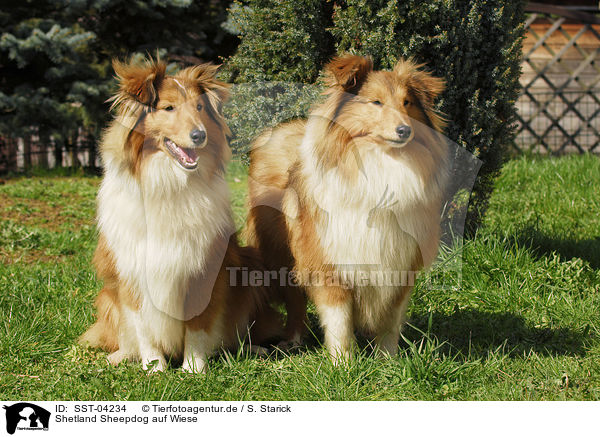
point(559, 104)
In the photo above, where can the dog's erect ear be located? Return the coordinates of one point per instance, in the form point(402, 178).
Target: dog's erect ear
point(423, 83)
point(203, 76)
point(348, 72)
point(425, 87)
point(430, 86)
point(139, 82)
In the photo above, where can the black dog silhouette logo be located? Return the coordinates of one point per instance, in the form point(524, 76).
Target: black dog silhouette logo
point(26, 416)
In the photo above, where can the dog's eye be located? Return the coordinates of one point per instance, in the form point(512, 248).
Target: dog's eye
point(377, 102)
point(169, 108)
point(199, 107)
point(406, 102)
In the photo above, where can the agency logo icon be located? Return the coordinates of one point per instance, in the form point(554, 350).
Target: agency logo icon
point(26, 416)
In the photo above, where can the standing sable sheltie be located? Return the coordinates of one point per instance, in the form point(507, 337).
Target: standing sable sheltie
point(165, 225)
point(356, 189)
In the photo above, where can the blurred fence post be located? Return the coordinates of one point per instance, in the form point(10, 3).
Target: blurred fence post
point(90, 144)
point(58, 152)
point(73, 142)
point(43, 141)
point(27, 151)
point(12, 154)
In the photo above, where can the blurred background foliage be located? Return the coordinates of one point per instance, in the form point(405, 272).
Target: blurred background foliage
point(55, 69)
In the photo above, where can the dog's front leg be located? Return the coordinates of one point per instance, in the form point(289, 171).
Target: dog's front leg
point(389, 333)
point(199, 345)
point(152, 358)
point(334, 306)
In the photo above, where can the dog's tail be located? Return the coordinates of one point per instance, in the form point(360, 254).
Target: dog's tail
point(104, 333)
point(266, 322)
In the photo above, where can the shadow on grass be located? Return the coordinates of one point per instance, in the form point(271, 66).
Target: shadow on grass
point(473, 334)
point(542, 244)
point(476, 333)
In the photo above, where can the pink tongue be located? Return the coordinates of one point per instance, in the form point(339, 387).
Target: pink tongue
point(188, 155)
point(191, 154)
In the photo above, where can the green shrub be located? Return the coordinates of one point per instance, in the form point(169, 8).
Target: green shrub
point(280, 40)
point(475, 45)
point(254, 107)
point(283, 46)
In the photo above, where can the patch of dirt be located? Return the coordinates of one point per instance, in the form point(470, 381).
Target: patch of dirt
point(33, 256)
point(40, 214)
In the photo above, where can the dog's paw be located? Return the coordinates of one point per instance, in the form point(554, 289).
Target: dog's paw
point(340, 358)
point(116, 357)
point(153, 365)
point(194, 366)
point(386, 352)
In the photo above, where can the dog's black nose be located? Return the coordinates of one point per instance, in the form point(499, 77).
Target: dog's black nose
point(198, 136)
point(403, 132)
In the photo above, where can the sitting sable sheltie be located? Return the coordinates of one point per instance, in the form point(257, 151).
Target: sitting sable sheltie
point(166, 234)
point(353, 193)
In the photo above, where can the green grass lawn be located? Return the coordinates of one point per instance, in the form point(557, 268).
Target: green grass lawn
point(522, 324)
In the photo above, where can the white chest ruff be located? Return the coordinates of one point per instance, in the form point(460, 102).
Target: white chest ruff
point(386, 222)
point(385, 218)
point(161, 239)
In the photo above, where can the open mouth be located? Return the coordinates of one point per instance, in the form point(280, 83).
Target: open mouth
point(397, 142)
point(187, 158)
